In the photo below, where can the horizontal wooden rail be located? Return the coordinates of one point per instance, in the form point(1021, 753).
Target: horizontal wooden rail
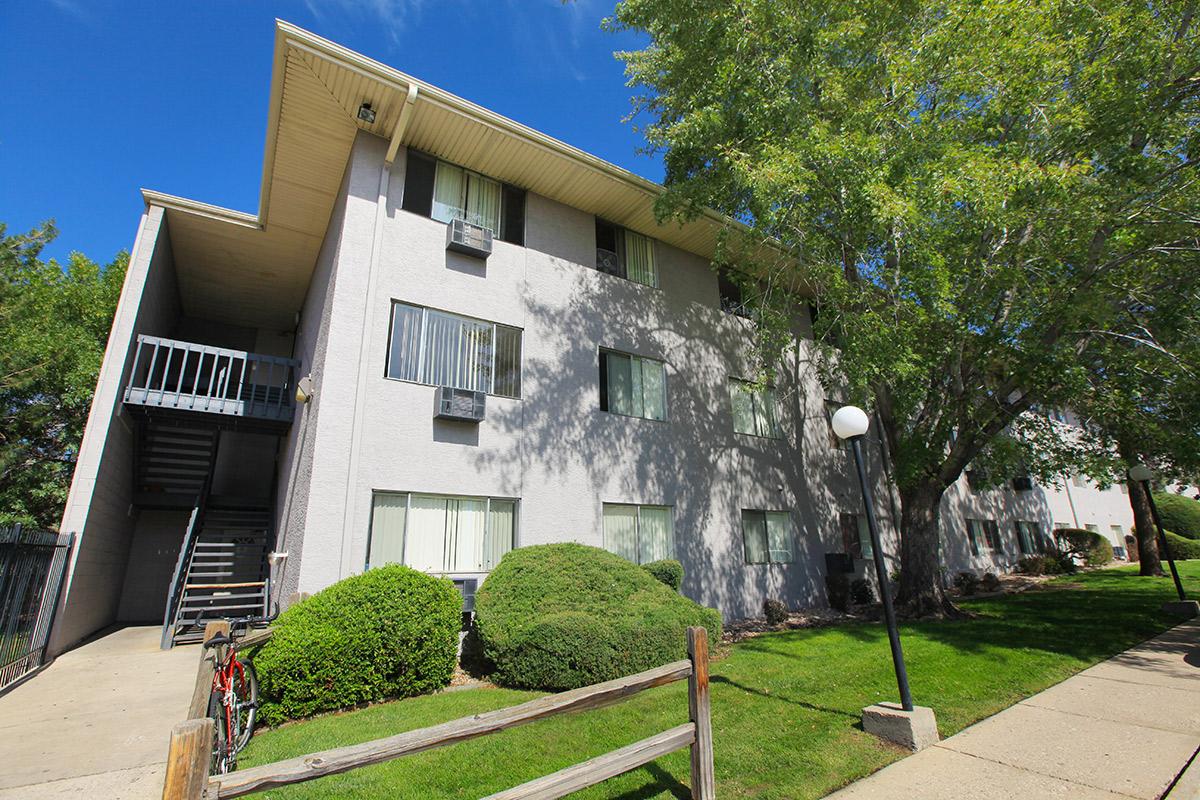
point(341, 759)
point(184, 784)
point(601, 768)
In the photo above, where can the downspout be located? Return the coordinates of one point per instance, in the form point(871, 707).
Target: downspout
point(1070, 499)
point(368, 320)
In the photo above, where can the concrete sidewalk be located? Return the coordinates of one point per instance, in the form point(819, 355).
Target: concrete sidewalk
point(96, 722)
point(1124, 728)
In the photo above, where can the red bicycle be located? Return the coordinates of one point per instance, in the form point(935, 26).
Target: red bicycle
point(233, 704)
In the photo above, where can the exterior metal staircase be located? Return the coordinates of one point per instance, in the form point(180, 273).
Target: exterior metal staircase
point(222, 571)
point(172, 465)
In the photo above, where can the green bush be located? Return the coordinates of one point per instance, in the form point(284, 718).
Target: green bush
point(990, 582)
point(389, 632)
point(1179, 514)
point(1046, 564)
point(1093, 548)
point(1182, 549)
point(668, 570)
point(561, 616)
point(966, 582)
point(861, 592)
point(776, 611)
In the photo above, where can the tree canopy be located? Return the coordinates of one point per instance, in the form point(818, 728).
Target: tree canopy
point(978, 190)
point(54, 323)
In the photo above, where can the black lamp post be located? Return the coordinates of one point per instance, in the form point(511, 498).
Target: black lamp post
point(851, 423)
point(1142, 474)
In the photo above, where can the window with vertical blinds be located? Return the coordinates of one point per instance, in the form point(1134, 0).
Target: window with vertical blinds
point(442, 349)
point(625, 253)
point(639, 533)
point(755, 410)
point(767, 536)
point(856, 535)
point(440, 534)
point(633, 385)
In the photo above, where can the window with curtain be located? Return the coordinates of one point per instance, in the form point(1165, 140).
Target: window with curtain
point(856, 535)
point(442, 349)
point(977, 535)
point(461, 194)
point(626, 254)
point(439, 534)
point(444, 191)
point(633, 385)
point(639, 533)
point(1028, 536)
point(767, 536)
point(754, 409)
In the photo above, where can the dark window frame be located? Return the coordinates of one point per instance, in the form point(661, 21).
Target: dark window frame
point(420, 176)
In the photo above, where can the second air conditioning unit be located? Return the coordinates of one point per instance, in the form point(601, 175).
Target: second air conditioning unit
point(471, 240)
point(462, 405)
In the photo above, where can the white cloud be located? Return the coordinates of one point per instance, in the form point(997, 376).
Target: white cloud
point(393, 15)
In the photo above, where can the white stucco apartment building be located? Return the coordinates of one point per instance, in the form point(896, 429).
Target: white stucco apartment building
point(577, 378)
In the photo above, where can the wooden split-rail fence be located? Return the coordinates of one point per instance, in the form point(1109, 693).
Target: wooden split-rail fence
point(190, 752)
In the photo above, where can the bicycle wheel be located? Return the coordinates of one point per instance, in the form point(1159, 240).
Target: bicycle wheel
point(222, 760)
point(246, 692)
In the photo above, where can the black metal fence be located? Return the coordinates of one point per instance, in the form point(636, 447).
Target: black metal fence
point(33, 565)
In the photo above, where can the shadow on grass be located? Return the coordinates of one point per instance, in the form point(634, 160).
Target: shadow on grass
point(663, 782)
point(760, 693)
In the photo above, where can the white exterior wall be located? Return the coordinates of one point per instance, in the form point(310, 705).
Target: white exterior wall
point(554, 449)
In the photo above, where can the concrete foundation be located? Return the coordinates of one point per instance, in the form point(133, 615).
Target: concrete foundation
point(915, 730)
point(1182, 608)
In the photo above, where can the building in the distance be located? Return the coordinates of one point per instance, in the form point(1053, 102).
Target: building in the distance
point(495, 345)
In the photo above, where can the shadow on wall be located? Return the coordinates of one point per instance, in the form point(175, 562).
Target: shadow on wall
point(1006, 507)
point(694, 461)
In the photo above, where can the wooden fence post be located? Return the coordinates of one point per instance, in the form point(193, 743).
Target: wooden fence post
point(204, 673)
point(699, 708)
point(188, 760)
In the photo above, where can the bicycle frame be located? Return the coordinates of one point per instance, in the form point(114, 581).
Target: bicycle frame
point(228, 670)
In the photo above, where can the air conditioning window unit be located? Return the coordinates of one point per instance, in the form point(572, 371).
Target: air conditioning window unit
point(463, 405)
point(608, 261)
point(1022, 483)
point(467, 587)
point(471, 240)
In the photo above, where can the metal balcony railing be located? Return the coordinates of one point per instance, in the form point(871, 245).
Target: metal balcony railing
point(187, 376)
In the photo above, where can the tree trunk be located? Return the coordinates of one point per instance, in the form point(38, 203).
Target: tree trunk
point(921, 591)
point(1147, 534)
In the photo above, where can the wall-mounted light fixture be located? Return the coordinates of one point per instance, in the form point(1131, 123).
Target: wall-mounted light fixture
point(366, 113)
point(304, 389)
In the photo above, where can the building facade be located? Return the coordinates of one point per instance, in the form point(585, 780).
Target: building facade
point(584, 376)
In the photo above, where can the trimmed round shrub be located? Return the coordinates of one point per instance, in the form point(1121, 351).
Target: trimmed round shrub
point(561, 616)
point(775, 611)
point(1094, 549)
point(990, 582)
point(389, 632)
point(861, 592)
point(668, 570)
point(1182, 549)
point(1178, 514)
point(966, 582)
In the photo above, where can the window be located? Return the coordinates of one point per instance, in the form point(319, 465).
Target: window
point(754, 409)
point(1028, 537)
point(442, 349)
point(639, 533)
point(984, 531)
point(443, 191)
point(1092, 528)
point(733, 299)
point(439, 534)
point(768, 537)
point(1124, 487)
point(856, 535)
point(625, 254)
point(632, 385)
point(1079, 481)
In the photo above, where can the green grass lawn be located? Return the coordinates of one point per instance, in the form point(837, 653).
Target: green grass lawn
point(785, 706)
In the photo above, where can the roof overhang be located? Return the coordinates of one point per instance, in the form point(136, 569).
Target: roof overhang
point(247, 269)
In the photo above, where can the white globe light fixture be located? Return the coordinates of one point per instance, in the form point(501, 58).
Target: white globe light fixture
point(1140, 473)
point(850, 421)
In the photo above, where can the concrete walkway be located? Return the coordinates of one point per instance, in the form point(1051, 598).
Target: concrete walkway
point(95, 723)
point(1124, 728)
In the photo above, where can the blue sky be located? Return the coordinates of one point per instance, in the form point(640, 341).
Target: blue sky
point(101, 98)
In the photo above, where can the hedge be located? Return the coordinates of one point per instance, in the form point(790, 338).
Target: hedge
point(1179, 514)
point(389, 632)
point(561, 616)
point(668, 570)
point(1182, 549)
point(1093, 548)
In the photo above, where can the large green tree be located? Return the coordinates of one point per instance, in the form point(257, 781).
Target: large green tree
point(54, 323)
point(975, 188)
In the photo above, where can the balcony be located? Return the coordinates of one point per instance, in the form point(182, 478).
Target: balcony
point(173, 376)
